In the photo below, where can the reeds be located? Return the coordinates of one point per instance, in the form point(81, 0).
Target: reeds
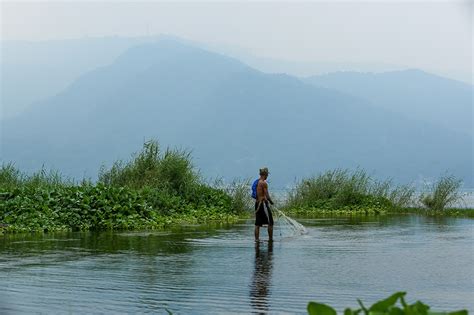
point(339, 188)
point(239, 192)
point(11, 177)
point(442, 193)
point(171, 170)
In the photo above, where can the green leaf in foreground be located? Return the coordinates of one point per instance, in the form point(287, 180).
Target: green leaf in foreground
point(396, 311)
point(320, 309)
point(383, 305)
point(348, 311)
point(461, 312)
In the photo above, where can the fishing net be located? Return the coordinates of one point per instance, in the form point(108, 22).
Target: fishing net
point(286, 226)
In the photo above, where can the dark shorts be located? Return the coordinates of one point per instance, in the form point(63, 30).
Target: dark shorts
point(263, 215)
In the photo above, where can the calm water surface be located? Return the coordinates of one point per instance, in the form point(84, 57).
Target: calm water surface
point(219, 270)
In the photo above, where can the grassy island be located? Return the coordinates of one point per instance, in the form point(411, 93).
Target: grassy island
point(152, 190)
point(155, 189)
point(345, 192)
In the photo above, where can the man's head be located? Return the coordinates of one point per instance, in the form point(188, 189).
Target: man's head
point(264, 172)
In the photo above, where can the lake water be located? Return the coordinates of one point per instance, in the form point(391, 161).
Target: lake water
point(467, 200)
point(220, 269)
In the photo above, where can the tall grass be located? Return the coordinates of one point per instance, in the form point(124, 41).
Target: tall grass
point(239, 191)
point(338, 188)
point(402, 196)
point(443, 193)
point(12, 177)
point(171, 170)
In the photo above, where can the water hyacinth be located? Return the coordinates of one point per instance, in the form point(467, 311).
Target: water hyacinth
point(150, 191)
point(386, 306)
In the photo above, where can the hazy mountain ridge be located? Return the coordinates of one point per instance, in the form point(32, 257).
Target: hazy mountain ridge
point(414, 93)
point(25, 63)
point(234, 118)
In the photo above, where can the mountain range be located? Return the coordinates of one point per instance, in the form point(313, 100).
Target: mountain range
point(236, 119)
point(413, 93)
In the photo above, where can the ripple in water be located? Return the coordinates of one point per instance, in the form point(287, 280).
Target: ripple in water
point(219, 270)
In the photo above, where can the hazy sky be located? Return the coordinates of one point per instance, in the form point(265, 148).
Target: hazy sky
point(435, 36)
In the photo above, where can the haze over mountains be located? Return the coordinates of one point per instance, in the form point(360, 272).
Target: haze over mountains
point(236, 119)
point(417, 94)
point(25, 65)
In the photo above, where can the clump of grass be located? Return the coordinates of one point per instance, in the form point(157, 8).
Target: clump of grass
point(176, 171)
point(239, 191)
point(342, 188)
point(140, 171)
point(402, 196)
point(45, 178)
point(172, 170)
point(443, 193)
point(12, 177)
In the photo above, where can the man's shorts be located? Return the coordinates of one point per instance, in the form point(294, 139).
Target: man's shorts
point(263, 214)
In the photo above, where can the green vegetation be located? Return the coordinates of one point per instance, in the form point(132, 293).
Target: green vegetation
point(387, 306)
point(344, 192)
point(451, 212)
point(240, 193)
point(11, 178)
point(443, 193)
point(155, 189)
point(150, 191)
point(171, 171)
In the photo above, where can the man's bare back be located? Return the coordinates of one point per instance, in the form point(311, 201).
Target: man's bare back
point(263, 214)
point(262, 191)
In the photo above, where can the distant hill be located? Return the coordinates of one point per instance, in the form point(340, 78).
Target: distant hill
point(25, 63)
point(414, 93)
point(234, 118)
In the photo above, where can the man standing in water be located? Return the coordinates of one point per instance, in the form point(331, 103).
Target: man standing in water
point(263, 214)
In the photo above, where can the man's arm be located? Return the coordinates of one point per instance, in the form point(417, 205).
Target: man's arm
point(266, 194)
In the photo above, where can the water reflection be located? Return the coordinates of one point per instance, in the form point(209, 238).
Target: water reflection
point(261, 279)
point(199, 269)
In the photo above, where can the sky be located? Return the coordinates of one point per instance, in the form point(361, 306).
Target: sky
point(435, 36)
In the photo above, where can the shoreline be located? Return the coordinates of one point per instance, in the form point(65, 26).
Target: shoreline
point(203, 217)
point(450, 212)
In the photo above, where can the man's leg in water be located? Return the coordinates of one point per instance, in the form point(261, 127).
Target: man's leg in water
point(257, 232)
point(270, 232)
